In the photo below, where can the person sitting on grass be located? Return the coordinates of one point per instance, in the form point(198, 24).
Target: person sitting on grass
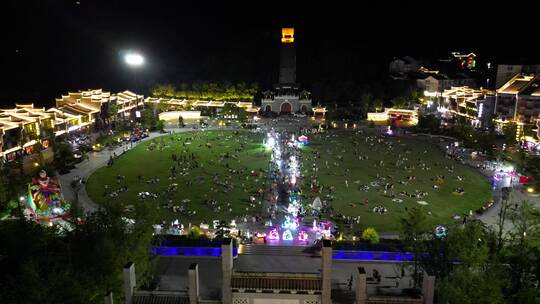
point(459, 191)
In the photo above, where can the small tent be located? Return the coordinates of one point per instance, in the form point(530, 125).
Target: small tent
point(317, 204)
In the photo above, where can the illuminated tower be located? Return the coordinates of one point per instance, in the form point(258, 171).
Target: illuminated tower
point(286, 97)
point(287, 63)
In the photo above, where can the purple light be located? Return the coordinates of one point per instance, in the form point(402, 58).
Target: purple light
point(188, 251)
point(372, 255)
point(273, 235)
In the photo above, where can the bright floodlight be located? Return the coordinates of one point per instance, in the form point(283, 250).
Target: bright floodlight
point(134, 59)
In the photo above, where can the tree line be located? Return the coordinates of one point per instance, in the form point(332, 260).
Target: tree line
point(221, 91)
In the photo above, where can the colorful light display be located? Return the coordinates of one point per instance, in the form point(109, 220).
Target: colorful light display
point(290, 223)
point(287, 235)
point(302, 236)
point(273, 235)
point(44, 199)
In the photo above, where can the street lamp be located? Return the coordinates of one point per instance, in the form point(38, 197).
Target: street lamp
point(134, 59)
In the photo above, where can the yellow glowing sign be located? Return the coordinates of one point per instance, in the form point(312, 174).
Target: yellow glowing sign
point(287, 35)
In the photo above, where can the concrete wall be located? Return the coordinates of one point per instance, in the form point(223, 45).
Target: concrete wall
point(226, 268)
point(327, 272)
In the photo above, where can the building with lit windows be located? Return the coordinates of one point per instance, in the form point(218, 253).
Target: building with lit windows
point(96, 104)
point(433, 84)
point(465, 104)
point(27, 130)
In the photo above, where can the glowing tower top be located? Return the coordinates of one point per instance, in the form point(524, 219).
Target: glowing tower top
point(287, 65)
point(287, 35)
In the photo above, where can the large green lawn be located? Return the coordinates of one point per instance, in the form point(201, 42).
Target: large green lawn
point(442, 202)
point(225, 161)
point(222, 171)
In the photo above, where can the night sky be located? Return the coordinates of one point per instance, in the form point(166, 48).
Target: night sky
point(51, 47)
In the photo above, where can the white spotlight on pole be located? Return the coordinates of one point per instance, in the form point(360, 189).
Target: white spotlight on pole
point(134, 59)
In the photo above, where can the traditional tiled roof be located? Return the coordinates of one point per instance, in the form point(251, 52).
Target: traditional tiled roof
point(78, 109)
point(90, 96)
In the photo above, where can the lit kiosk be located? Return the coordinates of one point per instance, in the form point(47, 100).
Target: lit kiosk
point(286, 96)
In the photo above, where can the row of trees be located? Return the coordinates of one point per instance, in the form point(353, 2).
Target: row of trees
point(481, 140)
point(222, 91)
point(474, 263)
point(368, 101)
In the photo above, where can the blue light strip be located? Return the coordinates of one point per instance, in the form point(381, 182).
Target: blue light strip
point(189, 251)
point(337, 254)
point(372, 255)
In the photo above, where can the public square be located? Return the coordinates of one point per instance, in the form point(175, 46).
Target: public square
point(349, 178)
point(199, 153)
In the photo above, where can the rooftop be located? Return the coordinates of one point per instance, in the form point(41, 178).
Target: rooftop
point(518, 85)
point(533, 87)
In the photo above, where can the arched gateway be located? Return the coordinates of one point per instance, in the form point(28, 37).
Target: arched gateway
point(286, 108)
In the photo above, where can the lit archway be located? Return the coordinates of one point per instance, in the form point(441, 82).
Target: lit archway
point(303, 109)
point(268, 108)
point(286, 108)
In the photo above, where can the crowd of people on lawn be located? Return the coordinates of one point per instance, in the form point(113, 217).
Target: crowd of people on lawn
point(398, 175)
point(210, 163)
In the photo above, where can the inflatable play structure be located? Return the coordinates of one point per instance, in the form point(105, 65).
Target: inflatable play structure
point(44, 201)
